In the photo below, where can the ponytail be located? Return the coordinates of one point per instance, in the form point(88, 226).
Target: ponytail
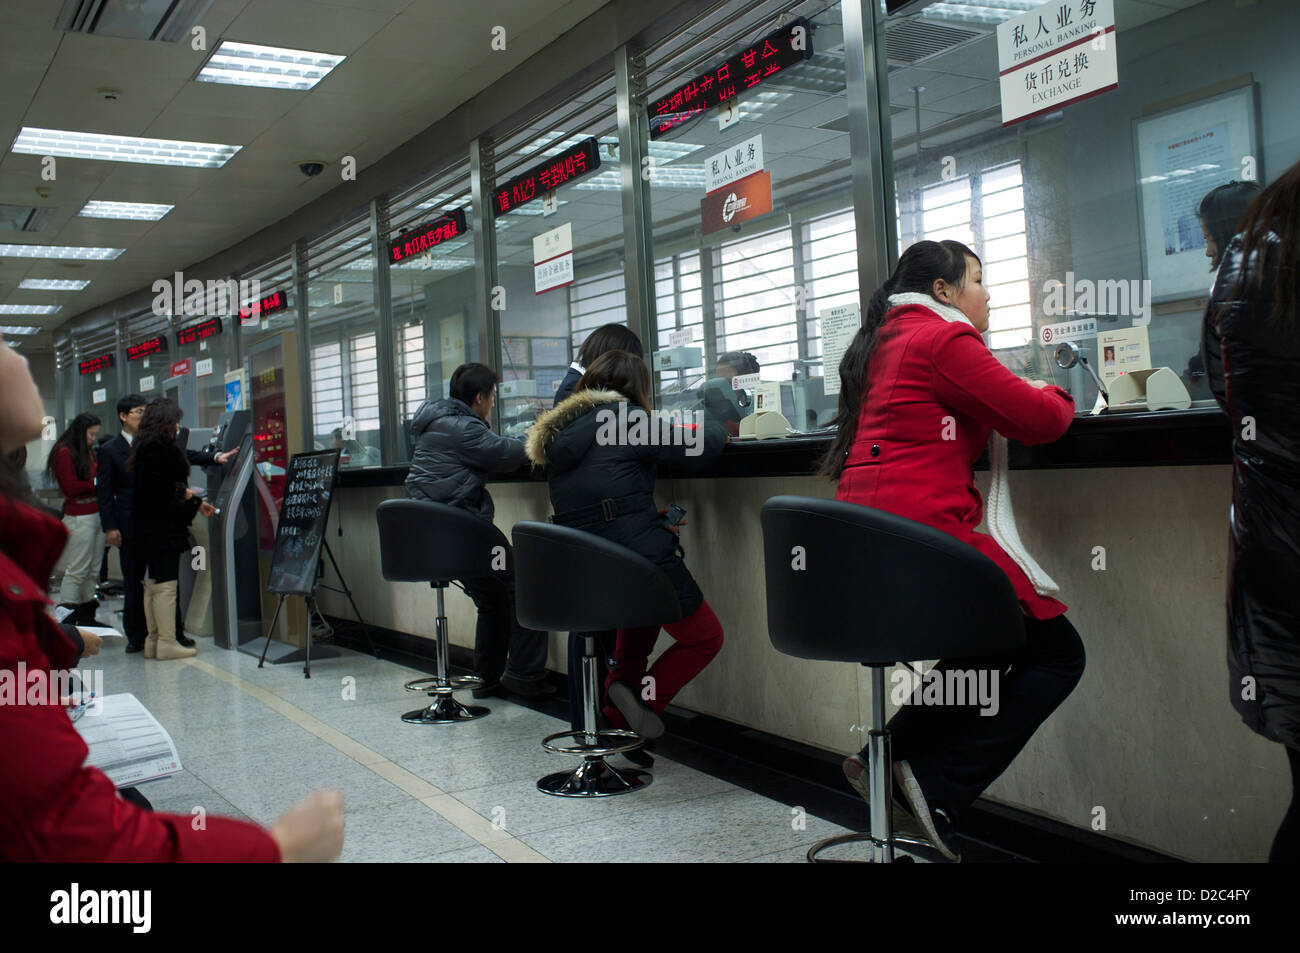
point(919, 267)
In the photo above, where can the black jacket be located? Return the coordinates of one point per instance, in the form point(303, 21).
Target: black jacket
point(454, 450)
point(1252, 370)
point(115, 487)
point(162, 513)
point(584, 467)
point(567, 383)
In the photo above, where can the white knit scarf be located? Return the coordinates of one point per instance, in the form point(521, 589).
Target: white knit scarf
point(997, 509)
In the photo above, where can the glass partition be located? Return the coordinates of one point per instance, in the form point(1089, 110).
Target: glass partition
point(1087, 215)
point(433, 298)
point(546, 317)
point(343, 329)
point(752, 213)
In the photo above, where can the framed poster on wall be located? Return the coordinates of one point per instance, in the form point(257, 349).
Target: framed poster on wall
point(1183, 153)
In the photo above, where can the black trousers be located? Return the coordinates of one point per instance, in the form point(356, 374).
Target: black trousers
point(499, 639)
point(604, 649)
point(954, 751)
point(1286, 844)
point(133, 566)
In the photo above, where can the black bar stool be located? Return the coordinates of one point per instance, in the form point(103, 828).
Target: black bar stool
point(571, 581)
point(847, 583)
point(420, 541)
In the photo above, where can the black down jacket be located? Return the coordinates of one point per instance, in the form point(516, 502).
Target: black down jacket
point(1252, 368)
point(162, 512)
point(454, 450)
point(585, 467)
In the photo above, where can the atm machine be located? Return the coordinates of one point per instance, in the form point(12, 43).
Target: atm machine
point(236, 606)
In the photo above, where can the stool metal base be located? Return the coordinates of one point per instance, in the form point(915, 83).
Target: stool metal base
point(594, 778)
point(432, 682)
point(445, 710)
point(599, 746)
point(924, 849)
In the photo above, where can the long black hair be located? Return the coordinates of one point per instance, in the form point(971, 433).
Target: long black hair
point(158, 426)
point(918, 269)
point(74, 438)
point(608, 337)
point(1275, 210)
point(1221, 211)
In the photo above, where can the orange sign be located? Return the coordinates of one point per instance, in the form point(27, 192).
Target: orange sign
point(738, 202)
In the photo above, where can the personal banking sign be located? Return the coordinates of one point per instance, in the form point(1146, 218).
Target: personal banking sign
point(1058, 53)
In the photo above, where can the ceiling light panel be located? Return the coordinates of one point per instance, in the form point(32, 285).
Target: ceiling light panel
point(30, 308)
point(272, 67)
point(51, 284)
point(135, 211)
point(93, 145)
point(85, 253)
point(9, 329)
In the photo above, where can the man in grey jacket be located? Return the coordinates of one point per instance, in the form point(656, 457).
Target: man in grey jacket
point(455, 450)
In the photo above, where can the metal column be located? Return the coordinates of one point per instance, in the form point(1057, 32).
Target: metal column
point(298, 257)
point(482, 177)
point(389, 403)
point(633, 152)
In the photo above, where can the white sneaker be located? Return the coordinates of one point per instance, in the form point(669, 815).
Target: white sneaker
point(935, 824)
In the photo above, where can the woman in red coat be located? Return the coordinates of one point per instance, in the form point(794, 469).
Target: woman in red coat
point(920, 394)
point(72, 461)
point(53, 807)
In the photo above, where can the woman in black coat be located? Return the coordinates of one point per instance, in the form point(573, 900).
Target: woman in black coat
point(1251, 348)
point(602, 447)
point(163, 505)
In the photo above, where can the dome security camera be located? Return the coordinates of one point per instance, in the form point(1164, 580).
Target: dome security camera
point(311, 168)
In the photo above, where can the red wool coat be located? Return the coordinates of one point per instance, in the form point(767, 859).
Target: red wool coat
point(53, 807)
point(923, 370)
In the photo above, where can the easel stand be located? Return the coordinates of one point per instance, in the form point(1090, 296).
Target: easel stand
point(288, 653)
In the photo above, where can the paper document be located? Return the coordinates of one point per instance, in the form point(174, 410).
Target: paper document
point(103, 631)
point(127, 743)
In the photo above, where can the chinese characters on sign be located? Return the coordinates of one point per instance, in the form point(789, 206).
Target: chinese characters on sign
point(1056, 54)
point(419, 240)
point(553, 258)
point(144, 348)
point(547, 175)
point(255, 312)
point(775, 52)
point(198, 332)
point(95, 364)
point(740, 160)
point(1053, 334)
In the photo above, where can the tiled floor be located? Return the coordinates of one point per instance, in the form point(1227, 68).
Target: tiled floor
point(254, 740)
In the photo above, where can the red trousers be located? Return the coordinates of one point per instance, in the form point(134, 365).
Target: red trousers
point(698, 638)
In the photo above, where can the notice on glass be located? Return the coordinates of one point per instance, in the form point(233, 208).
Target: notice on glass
point(1122, 352)
point(127, 743)
point(839, 325)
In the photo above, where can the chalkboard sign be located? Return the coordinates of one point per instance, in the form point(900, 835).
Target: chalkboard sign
point(303, 515)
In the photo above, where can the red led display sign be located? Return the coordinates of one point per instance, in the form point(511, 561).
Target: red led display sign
point(96, 364)
point(546, 176)
point(419, 240)
point(269, 304)
point(198, 332)
point(775, 52)
point(156, 345)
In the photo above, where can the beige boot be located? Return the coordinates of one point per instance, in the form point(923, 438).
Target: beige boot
point(150, 640)
point(164, 612)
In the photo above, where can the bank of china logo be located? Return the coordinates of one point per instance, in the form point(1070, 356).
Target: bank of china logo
point(732, 206)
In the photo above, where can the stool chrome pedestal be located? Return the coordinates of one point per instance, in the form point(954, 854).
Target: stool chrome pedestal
point(593, 778)
point(445, 709)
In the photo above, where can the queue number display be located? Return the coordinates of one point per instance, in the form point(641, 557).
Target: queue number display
point(264, 306)
point(546, 176)
point(95, 364)
point(778, 50)
point(421, 239)
point(198, 332)
point(152, 346)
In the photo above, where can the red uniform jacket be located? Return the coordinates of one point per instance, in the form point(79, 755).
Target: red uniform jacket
point(53, 807)
point(933, 393)
point(79, 493)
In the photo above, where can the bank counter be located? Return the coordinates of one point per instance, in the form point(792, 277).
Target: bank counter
point(1129, 513)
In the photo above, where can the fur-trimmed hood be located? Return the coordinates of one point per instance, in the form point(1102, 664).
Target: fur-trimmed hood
point(541, 438)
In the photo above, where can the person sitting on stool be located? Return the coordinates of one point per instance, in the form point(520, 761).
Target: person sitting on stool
point(455, 449)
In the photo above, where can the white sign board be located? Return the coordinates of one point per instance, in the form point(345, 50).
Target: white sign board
point(553, 274)
point(746, 381)
point(839, 325)
point(728, 114)
point(552, 244)
point(744, 158)
point(1121, 352)
point(99, 396)
point(682, 338)
point(146, 383)
point(1053, 334)
point(1056, 54)
point(203, 368)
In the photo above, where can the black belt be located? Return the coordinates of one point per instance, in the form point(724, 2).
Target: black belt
point(607, 510)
